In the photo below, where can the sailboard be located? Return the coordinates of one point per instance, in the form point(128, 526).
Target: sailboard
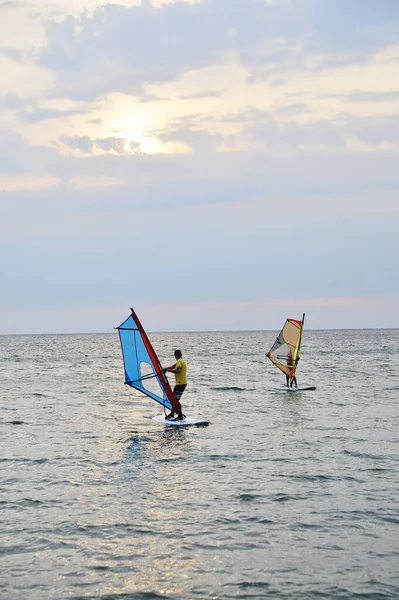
point(284, 353)
point(179, 423)
point(283, 388)
point(143, 370)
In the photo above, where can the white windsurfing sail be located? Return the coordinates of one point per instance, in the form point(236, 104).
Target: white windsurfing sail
point(285, 351)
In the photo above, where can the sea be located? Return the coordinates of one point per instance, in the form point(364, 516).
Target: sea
point(283, 496)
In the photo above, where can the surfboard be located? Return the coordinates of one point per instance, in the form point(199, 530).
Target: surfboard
point(184, 423)
point(300, 388)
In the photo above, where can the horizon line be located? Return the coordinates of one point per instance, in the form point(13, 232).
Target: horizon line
point(205, 331)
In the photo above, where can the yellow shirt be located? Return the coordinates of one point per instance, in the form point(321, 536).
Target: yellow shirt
point(181, 378)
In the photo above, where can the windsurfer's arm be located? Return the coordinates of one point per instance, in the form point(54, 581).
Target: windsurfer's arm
point(174, 369)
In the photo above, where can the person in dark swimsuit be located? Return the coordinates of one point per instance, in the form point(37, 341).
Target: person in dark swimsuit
point(290, 362)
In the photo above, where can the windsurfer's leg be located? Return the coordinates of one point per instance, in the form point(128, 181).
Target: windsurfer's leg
point(179, 412)
point(287, 380)
point(178, 391)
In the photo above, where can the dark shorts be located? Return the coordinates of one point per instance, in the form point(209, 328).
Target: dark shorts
point(178, 391)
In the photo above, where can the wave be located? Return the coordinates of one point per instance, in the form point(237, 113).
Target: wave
point(233, 388)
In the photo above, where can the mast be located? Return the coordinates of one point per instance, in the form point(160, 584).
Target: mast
point(159, 371)
point(299, 342)
point(300, 335)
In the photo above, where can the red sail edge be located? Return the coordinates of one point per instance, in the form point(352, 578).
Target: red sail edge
point(157, 365)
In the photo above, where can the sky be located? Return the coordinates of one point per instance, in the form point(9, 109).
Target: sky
point(215, 164)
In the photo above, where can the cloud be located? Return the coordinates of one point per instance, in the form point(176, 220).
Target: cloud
point(99, 181)
point(295, 99)
point(81, 142)
point(17, 156)
point(118, 48)
point(27, 181)
point(13, 53)
point(116, 145)
point(23, 78)
point(282, 167)
point(372, 96)
point(13, 101)
point(199, 141)
point(37, 114)
point(275, 131)
point(327, 133)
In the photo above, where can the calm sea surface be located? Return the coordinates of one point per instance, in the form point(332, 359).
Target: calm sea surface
point(285, 496)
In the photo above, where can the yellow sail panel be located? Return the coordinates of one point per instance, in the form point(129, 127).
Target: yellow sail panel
point(285, 351)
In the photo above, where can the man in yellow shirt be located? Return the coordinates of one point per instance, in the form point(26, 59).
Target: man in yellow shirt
point(180, 371)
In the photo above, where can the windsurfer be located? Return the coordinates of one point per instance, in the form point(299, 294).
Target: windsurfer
point(290, 361)
point(288, 340)
point(179, 369)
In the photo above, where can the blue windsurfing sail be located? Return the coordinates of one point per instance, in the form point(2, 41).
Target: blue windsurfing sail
point(143, 371)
